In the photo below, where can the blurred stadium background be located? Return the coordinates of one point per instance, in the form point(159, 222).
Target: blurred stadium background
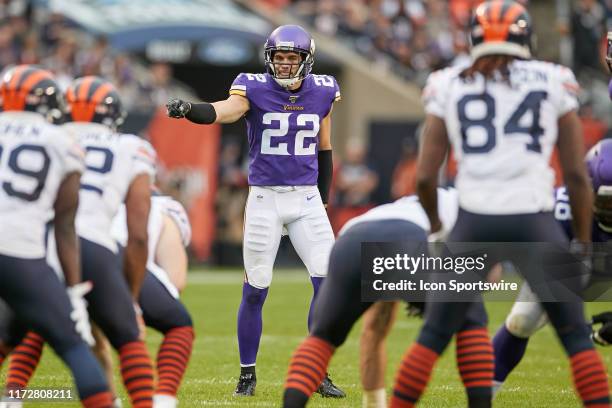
point(380, 51)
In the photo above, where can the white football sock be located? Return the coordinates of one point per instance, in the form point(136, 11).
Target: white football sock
point(164, 401)
point(375, 398)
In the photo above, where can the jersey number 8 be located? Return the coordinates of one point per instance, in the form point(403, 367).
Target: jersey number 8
point(531, 103)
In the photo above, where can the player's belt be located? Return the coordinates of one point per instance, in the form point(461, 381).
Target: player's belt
point(286, 189)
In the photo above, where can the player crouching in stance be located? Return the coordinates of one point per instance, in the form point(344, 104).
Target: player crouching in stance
point(119, 168)
point(339, 303)
point(505, 187)
point(169, 234)
point(288, 115)
point(40, 166)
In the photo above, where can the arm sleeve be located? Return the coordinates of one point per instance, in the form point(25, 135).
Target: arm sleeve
point(326, 169)
point(202, 113)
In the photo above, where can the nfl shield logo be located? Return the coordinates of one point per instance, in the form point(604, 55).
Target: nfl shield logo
point(293, 98)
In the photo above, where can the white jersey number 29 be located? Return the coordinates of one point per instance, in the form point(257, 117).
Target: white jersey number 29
point(531, 104)
point(282, 149)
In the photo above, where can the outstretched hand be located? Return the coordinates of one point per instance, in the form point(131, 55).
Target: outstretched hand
point(178, 108)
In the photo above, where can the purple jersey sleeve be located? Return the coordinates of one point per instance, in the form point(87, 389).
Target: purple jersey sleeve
point(329, 86)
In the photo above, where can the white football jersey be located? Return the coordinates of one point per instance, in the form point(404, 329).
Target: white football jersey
point(409, 209)
point(35, 157)
point(113, 161)
point(503, 133)
point(160, 206)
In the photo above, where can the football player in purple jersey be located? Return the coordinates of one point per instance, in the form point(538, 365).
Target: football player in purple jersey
point(288, 114)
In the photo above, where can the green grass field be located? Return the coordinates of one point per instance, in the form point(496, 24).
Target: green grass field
point(542, 380)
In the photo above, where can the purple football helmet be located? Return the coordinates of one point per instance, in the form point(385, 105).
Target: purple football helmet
point(290, 38)
point(599, 163)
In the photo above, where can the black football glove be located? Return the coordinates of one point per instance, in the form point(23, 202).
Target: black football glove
point(178, 108)
point(603, 335)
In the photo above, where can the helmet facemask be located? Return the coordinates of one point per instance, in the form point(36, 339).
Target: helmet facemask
point(304, 67)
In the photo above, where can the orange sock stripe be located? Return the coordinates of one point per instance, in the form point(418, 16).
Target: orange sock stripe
point(99, 400)
point(472, 332)
point(316, 366)
point(472, 340)
point(410, 385)
point(180, 341)
point(137, 373)
point(314, 371)
point(305, 377)
point(293, 383)
point(308, 365)
point(475, 359)
point(399, 403)
point(174, 354)
point(413, 375)
point(590, 378)
point(315, 355)
point(23, 361)
point(172, 359)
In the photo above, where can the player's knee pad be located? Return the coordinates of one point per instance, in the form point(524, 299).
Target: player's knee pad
point(259, 277)
point(525, 319)
point(318, 261)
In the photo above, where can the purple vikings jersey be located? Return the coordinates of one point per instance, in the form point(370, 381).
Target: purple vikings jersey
point(283, 127)
point(563, 214)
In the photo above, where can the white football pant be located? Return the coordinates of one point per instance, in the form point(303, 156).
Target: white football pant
point(300, 210)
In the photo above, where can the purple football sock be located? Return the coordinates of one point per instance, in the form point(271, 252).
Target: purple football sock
point(316, 283)
point(250, 322)
point(508, 350)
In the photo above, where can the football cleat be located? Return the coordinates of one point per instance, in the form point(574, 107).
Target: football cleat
point(246, 385)
point(327, 389)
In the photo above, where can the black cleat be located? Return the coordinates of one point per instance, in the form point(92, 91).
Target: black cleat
point(246, 385)
point(327, 389)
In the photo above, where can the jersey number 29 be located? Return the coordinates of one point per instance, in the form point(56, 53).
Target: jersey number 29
point(531, 103)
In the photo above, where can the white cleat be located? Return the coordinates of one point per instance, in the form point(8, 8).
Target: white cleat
point(164, 401)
